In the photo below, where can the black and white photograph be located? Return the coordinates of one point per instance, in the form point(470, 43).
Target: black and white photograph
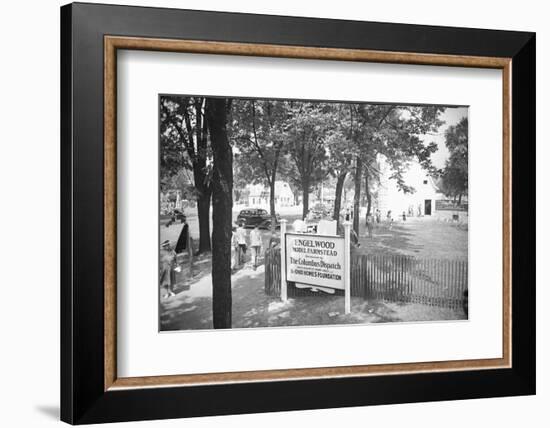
point(288, 212)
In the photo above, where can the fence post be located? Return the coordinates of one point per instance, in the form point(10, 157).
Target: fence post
point(347, 292)
point(283, 261)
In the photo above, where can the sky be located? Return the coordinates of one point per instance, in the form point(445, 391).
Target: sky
point(451, 116)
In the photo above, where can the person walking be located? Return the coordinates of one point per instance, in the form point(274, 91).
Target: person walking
point(255, 245)
point(167, 264)
point(389, 219)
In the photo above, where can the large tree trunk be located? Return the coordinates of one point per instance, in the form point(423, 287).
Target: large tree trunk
point(367, 192)
point(305, 196)
point(338, 196)
point(199, 156)
point(357, 196)
point(203, 212)
point(222, 204)
point(203, 204)
point(272, 203)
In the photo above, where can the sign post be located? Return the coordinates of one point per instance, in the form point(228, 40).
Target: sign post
point(283, 261)
point(317, 261)
point(347, 257)
point(321, 262)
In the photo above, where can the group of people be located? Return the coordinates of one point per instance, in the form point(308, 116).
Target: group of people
point(240, 243)
point(377, 218)
point(169, 264)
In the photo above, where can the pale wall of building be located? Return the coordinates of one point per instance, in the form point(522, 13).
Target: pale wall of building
point(258, 195)
point(419, 203)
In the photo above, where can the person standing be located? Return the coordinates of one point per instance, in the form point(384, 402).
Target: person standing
point(255, 245)
point(234, 250)
point(167, 264)
point(183, 239)
point(184, 244)
point(370, 224)
point(389, 219)
point(241, 242)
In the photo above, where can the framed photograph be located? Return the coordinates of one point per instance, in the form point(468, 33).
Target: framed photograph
point(266, 213)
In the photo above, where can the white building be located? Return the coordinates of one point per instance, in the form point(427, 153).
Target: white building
point(421, 202)
point(257, 195)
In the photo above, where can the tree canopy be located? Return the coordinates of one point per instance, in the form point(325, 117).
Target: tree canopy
point(185, 146)
point(209, 145)
point(454, 179)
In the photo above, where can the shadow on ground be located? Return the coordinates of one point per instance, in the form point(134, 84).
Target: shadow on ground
point(191, 308)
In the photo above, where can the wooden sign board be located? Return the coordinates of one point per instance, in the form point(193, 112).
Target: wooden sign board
point(315, 260)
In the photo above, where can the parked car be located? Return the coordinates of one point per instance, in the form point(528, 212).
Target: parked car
point(176, 215)
point(256, 216)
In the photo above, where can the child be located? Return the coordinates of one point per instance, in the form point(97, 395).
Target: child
point(167, 263)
